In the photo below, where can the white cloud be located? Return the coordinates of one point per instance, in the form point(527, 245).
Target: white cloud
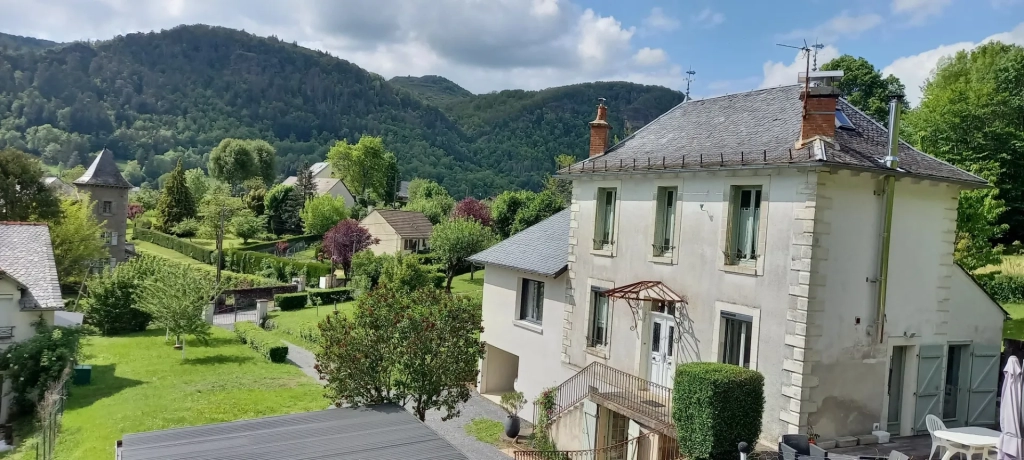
point(843, 25)
point(914, 70)
point(709, 18)
point(780, 73)
point(658, 20)
point(650, 56)
point(483, 45)
point(917, 11)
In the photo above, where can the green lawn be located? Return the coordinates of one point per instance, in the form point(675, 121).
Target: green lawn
point(150, 248)
point(229, 242)
point(140, 383)
point(485, 430)
point(288, 322)
point(473, 287)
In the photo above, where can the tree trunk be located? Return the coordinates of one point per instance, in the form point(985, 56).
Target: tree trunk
point(448, 282)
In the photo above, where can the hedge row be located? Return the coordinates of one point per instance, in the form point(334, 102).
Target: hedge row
point(267, 345)
point(287, 302)
point(239, 260)
point(269, 245)
point(716, 406)
point(1003, 288)
point(299, 300)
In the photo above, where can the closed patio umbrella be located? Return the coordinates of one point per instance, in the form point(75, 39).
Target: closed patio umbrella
point(1009, 411)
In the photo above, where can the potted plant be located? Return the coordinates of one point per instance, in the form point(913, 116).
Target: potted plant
point(812, 437)
point(512, 402)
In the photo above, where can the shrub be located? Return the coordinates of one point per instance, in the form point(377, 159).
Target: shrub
point(294, 301)
point(252, 262)
point(1003, 288)
point(715, 406)
point(111, 301)
point(310, 332)
point(32, 365)
point(330, 296)
point(261, 341)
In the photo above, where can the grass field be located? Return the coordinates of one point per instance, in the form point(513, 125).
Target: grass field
point(140, 383)
point(288, 322)
point(485, 430)
point(473, 287)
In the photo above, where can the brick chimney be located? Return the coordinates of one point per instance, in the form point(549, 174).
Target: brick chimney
point(819, 112)
point(599, 129)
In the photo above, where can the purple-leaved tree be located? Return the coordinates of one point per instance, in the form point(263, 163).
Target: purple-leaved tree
point(344, 241)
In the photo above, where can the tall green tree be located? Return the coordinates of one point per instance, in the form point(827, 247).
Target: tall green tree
point(865, 87)
point(419, 349)
point(971, 115)
point(247, 225)
point(77, 239)
point(365, 167)
point(304, 183)
point(562, 188)
point(506, 207)
point(176, 202)
point(431, 199)
point(283, 205)
point(236, 160)
point(454, 241)
point(23, 195)
point(198, 184)
point(177, 299)
point(323, 212)
point(543, 205)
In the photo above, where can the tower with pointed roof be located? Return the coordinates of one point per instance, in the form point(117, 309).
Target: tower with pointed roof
point(108, 189)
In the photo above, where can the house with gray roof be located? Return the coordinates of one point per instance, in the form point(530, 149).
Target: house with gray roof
point(398, 231)
point(782, 230)
point(325, 183)
point(108, 190)
point(29, 288)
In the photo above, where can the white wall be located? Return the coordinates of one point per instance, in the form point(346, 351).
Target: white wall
point(390, 242)
point(699, 273)
point(11, 315)
point(536, 347)
point(341, 190)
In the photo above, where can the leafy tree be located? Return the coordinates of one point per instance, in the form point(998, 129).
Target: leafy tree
point(404, 273)
point(187, 228)
point(218, 208)
point(72, 174)
point(255, 200)
point(344, 240)
point(365, 166)
point(972, 116)
point(366, 270)
point(235, 160)
point(454, 241)
point(562, 188)
point(112, 299)
point(133, 173)
point(283, 207)
point(177, 299)
point(146, 196)
point(472, 208)
point(391, 184)
point(304, 183)
point(32, 365)
point(135, 210)
point(176, 202)
point(420, 349)
point(77, 239)
point(431, 199)
point(198, 184)
point(323, 212)
point(247, 225)
point(23, 196)
point(865, 87)
point(506, 207)
point(543, 205)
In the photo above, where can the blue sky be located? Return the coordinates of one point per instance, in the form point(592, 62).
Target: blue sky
point(488, 45)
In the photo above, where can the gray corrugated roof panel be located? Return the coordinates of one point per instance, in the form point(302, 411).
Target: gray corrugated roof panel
point(26, 254)
point(754, 129)
point(103, 171)
point(377, 432)
point(542, 248)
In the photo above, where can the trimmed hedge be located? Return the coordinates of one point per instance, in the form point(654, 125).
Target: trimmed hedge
point(174, 243)
point(296, 301)
point(270, 245)
point(1003, 288)
point(716, 406)
point(330, 296)
point(267, 345)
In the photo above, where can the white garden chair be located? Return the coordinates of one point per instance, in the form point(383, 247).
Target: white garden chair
point(935, 424)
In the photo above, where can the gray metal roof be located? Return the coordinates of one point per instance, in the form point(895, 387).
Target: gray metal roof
point(26, 255)
point(542, 248)
point(754, 129)
point(403, 189)
point(378, 432)
point(315, 168)
point(103, 171)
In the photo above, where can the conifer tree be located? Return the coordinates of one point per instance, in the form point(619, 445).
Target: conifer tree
point(176, 203)
point(304, 183)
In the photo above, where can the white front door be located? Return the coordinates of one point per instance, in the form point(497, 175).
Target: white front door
point(663, 364)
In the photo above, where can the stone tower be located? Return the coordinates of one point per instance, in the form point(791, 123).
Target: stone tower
point(108, 189)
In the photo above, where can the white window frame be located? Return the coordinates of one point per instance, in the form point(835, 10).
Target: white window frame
point(525, 296)
point(755, 327)
point(601, 220)
point(594, 294)
point(106, 210)
point(730, 197)
point(670, 256)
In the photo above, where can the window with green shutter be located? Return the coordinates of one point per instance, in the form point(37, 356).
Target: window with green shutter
point(664, 221)
point(745, 218)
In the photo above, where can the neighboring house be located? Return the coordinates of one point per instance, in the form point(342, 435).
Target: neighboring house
point(383, 431)
point(403, 192)
point(108, 189)
point(748, 229)
point(398, 231)
point(325, 184)
point(29, 289)
point(58, 186)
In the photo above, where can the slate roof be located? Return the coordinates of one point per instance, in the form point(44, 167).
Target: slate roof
point(323, 185)
point(542, 248)
point(408, 224)
point(103, 171)
point(377, 432)
point(315, 168)
point(754, 129)
point(26, 255)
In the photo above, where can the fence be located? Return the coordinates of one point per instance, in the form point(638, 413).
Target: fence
point(626, 392)
point(50, 410)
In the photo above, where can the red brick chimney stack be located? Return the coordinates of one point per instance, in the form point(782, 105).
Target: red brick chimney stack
point(820, 97)
point(599, 129)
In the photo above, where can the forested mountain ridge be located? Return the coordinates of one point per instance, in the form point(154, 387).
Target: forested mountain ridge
point(12, 43)
point(433, 89)
point(162, 96)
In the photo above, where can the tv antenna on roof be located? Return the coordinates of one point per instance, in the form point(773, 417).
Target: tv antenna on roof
point(806, 50)
point(689, 79)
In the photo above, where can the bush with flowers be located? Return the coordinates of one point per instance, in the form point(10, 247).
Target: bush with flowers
point(32, 365)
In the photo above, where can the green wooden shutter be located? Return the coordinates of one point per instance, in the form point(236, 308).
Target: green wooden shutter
point(981, 402)
point(929, 385)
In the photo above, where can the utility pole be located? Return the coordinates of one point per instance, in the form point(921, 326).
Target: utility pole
point(220, 244)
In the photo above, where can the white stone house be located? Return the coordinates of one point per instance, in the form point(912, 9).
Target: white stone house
point(29, 290)
point(325, 183)
point(750, 229)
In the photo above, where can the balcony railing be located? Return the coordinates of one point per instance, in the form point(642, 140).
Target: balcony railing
point(620, 391)
point(640, 446)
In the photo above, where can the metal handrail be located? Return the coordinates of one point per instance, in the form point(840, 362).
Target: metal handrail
point(606, 452)
point(627, 391)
